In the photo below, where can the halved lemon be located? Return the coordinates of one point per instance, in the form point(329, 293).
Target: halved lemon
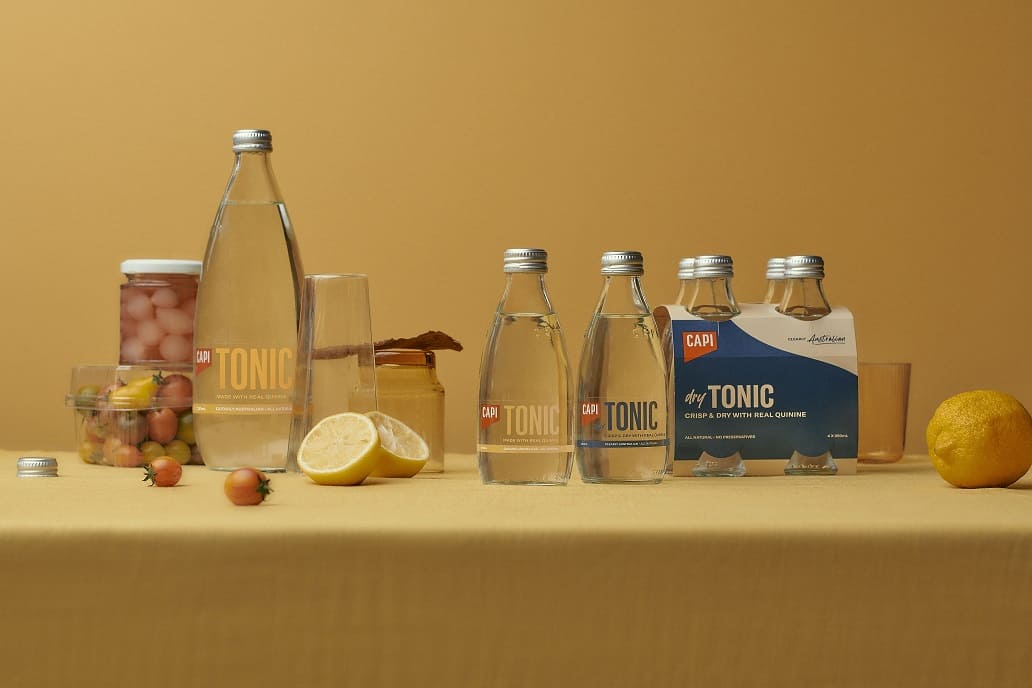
point(340, 450)
point(403, 453)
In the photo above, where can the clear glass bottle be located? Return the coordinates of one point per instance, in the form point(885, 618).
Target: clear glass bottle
point(245, 333)
point(157, 311)
point(622, 432)
point(686, 278)
point(525, 434)
point(804, 300)
point(804, 297)
point(713, 298)
point(775, 281)
point(408, 389)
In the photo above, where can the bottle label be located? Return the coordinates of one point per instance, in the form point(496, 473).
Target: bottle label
point(243, 380)
point(622, 423)
point(515, 427)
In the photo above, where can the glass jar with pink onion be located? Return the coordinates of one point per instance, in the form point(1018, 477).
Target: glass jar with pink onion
point(157, 311)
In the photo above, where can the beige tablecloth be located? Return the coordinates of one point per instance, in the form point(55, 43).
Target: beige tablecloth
point(886, 578)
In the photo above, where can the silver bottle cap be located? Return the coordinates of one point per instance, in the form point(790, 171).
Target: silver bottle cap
point(686, 269)
point(37, 467)
point(525, 260)
point(776, 269)
point(804, 266)
point(251, 140)
point(623, 263)
point(714, 266)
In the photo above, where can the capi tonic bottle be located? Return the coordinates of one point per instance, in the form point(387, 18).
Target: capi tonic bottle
point(804, 297)
point(245, 333)
point(525, 435)
point(621, 392)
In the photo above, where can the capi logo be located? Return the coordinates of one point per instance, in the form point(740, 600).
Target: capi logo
point(698, 343)
point(489, 415)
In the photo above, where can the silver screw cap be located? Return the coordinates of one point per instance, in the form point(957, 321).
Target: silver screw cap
point(525, 260)
point(776, 269)
point(251, 140)
point(804, 266)
point(686, 268)
point(714, 266)
point(623, 263)
point(37, 467)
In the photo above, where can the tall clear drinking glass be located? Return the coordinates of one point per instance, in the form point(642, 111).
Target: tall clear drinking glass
point(336, 370)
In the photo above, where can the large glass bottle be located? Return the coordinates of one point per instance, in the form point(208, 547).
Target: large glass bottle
point(804, 297)
point(245, 333)
point(525, 435)
point(622, 428)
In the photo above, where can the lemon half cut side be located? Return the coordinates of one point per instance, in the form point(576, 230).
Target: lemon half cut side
point(342, 449)
point(403, 453)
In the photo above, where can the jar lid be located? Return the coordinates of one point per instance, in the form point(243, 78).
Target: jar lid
point(37, 467)
point(161, 266)
point(405, 357)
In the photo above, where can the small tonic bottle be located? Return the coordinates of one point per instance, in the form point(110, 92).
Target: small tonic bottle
point(525, 432)
point(775, 281)
point(804, 300)
point(686, 278)
point(622, 426)
point(245, 333)
point(713, 299)
point(804, 292)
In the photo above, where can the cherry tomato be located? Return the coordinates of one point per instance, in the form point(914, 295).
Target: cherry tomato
point(185, 431)
point(162, 425)
point(178, 450)
point(247, 487)
point(152, 450)
point(90, 452)
point(176, 392)
point(111, 444)
point(127, 456)
point(137, 394)
point(86, 398)
point(130, 427)
point(163, 472)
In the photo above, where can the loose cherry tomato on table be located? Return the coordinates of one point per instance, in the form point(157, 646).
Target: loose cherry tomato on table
point(247, 487)
point(163, 472)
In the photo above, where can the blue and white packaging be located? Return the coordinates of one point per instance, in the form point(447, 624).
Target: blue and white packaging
point(764, 385)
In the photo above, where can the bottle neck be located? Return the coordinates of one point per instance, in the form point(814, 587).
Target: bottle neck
point(713, 299)
point(252, 180)
point(685, 292)
point(622, 295)
point(804, 299)
point(525, 293)
point(774, 292)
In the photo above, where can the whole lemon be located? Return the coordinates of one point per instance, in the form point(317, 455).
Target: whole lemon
point(980, 439)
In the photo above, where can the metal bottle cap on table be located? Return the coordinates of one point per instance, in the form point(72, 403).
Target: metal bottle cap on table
point(37, 467)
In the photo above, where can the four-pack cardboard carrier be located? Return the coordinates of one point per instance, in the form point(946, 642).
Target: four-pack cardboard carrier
point(762, 384)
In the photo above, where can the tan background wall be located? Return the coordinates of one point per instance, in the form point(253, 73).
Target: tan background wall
point(416, 140)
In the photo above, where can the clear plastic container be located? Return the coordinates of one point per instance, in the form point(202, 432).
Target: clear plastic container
point(127, 415)
point(408, 389)
point(156, 322)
